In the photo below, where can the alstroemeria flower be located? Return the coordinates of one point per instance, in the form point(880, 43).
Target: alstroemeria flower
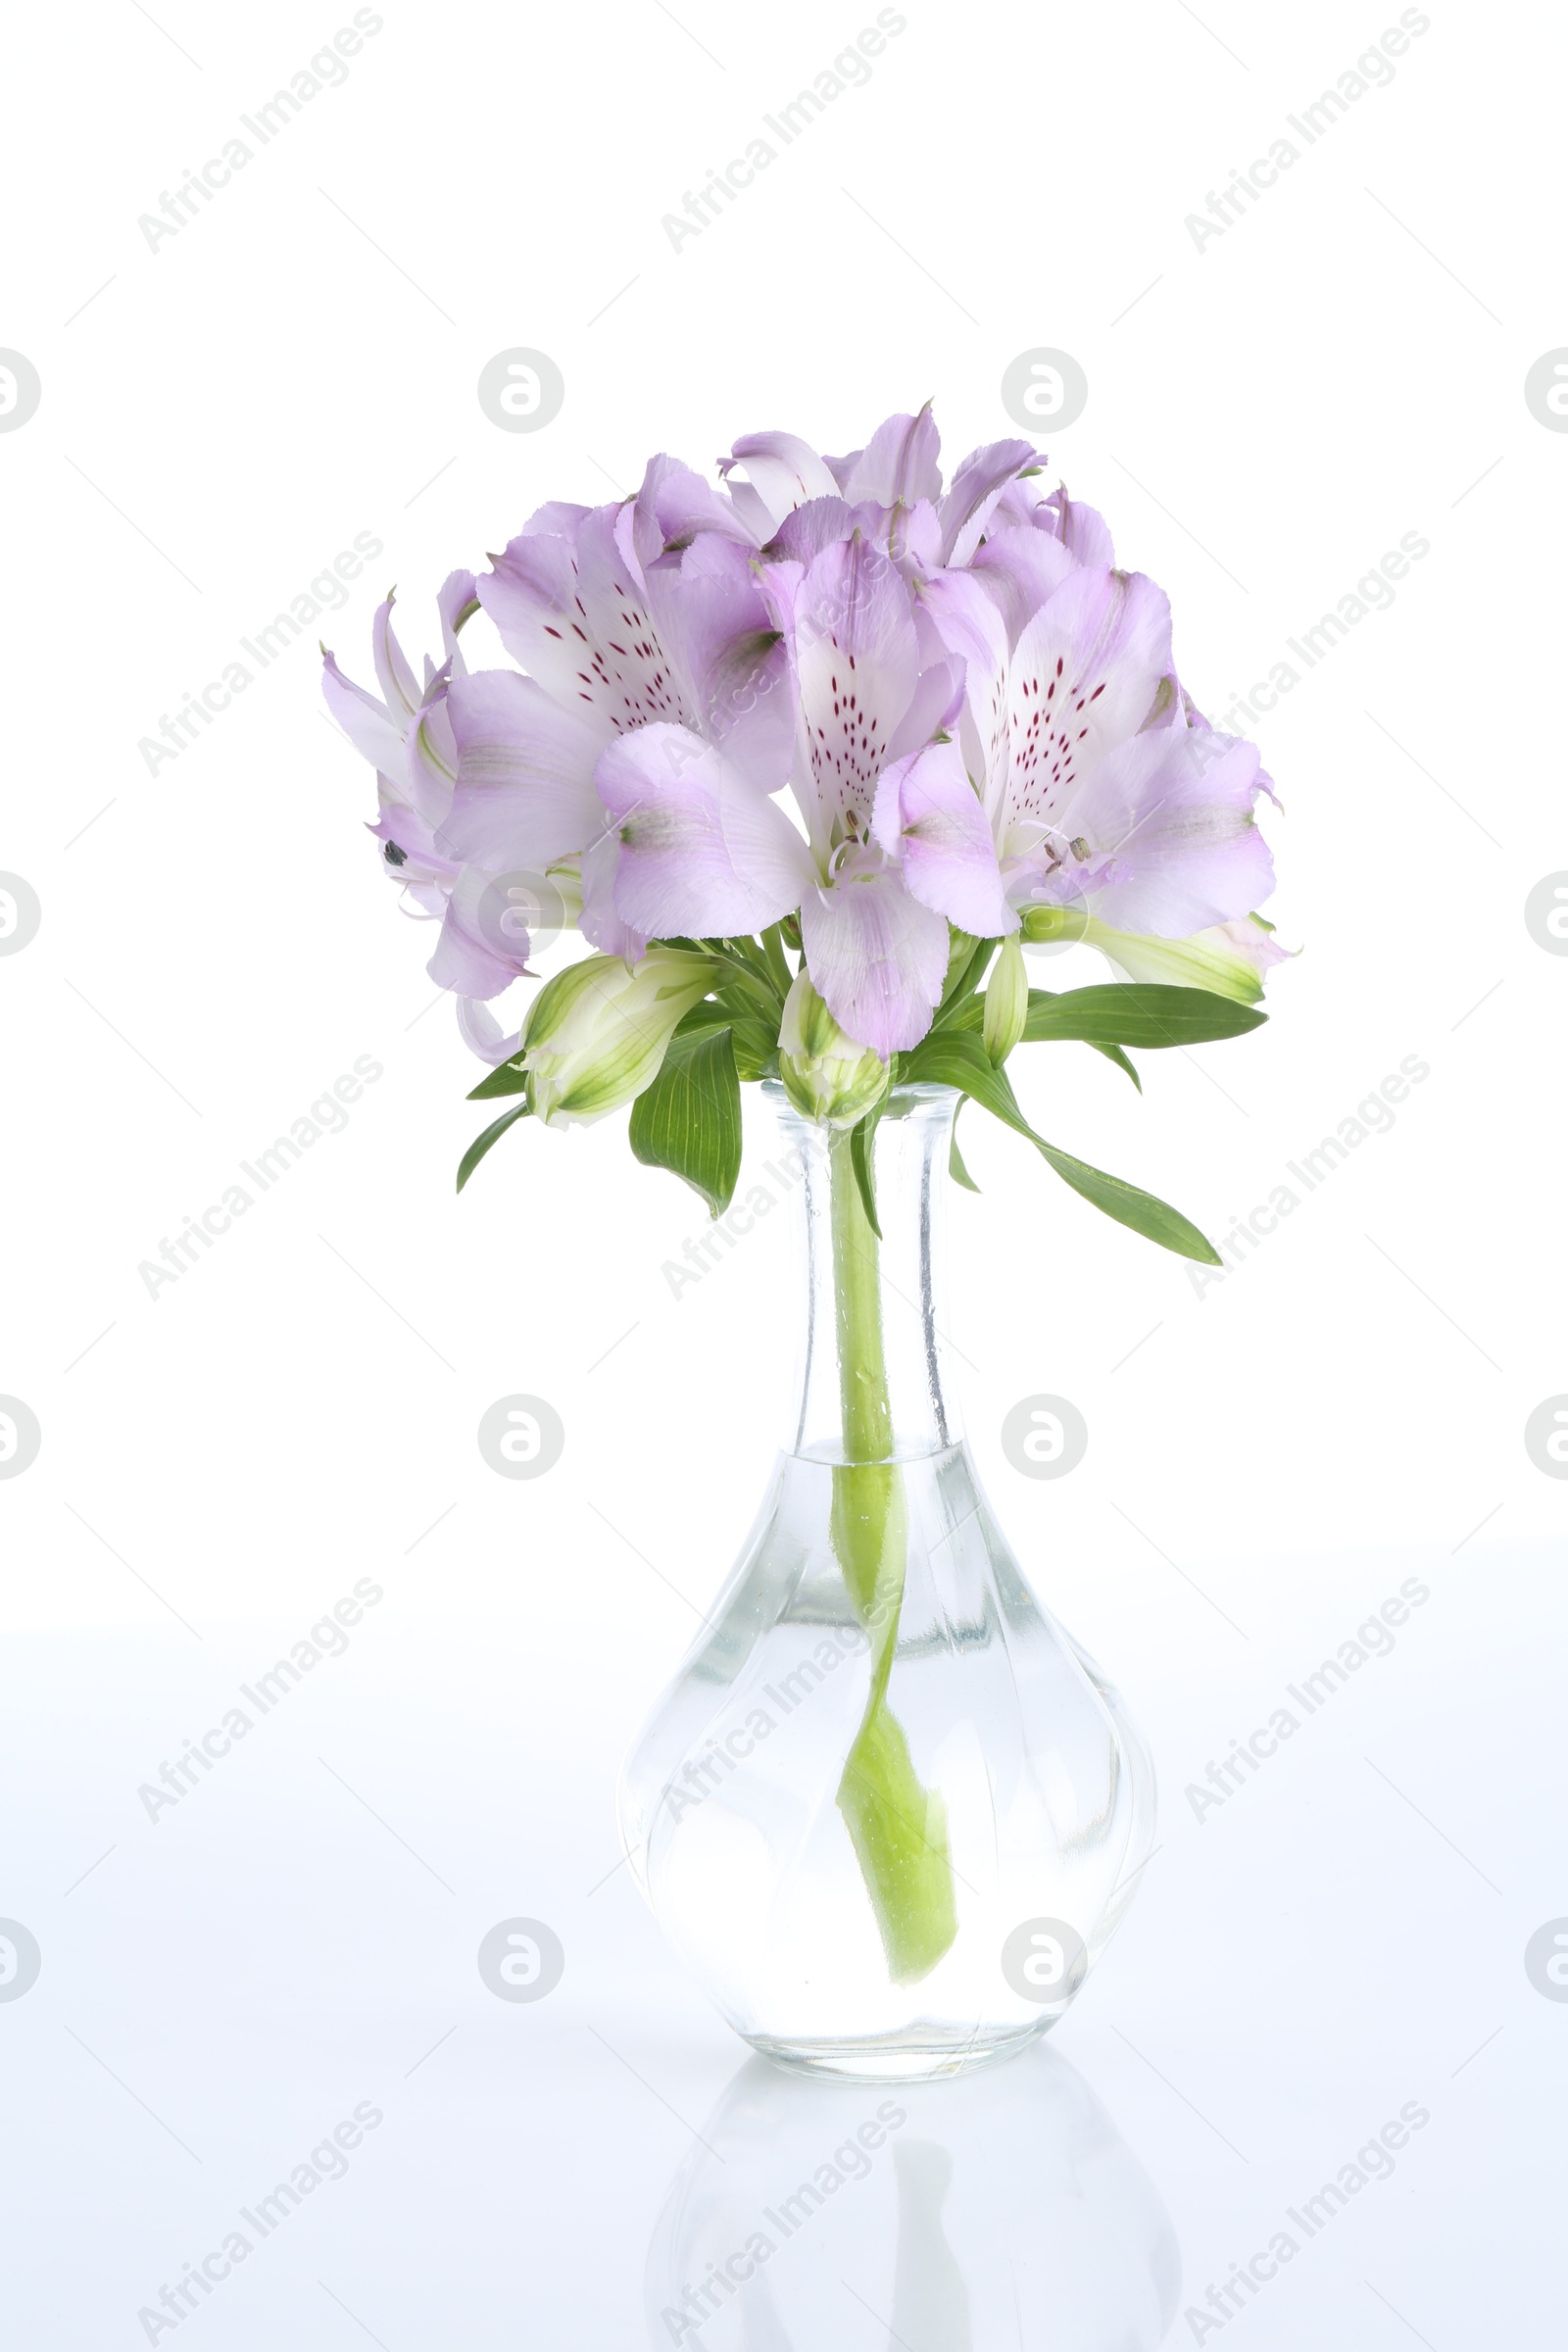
point(616, 644)
point(407, 734)
point(1098, 789)
point(404, 737)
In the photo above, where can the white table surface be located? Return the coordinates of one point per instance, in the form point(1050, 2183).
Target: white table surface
point(297, 1937)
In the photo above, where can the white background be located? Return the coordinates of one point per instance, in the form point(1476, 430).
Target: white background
point(1267, 416)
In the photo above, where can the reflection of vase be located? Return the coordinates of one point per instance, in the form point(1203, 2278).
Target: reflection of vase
point(943, 2217)
point(888, 1811)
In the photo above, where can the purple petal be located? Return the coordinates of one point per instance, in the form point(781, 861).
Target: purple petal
point(911, 535)
point(1083, 675)
point(899, 463)
point(601, 925)
point(430, 754)
point(968, 621)
point(781, 474)
point(399, 689)
point(857, 660)
point(1019, 568)
point(755, 517)
point(572, 611)
point(481, 1032)
point(927, 816)
point(475, 955)
point(1167, 822)
point(629, 678)
point(935, 709)
point(458, 595)
point(419, 857)
point(821, 522)
point(727, 656)
point(368, 724)
point(1084, 533)
point(702, 852)
point(524, 792)
point(841, 469)
point(676, 506)
point(532, 596)
point(876, 956)
point(976, 487)
point(556, 518)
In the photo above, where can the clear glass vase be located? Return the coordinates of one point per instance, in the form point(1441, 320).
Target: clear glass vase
point(888, 1811)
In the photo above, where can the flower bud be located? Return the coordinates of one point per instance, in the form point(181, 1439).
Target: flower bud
point(597, 1033)
point(1006, 1003)
point(1228, 959)
point(826, 1075)
point(1043, 925)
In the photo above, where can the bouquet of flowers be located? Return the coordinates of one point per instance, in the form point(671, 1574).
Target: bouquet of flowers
point(809, 759)
point(809, 756)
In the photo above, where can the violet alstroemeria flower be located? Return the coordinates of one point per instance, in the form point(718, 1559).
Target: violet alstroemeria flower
point(617, 642)
point(406, 735)
point(1099, 788)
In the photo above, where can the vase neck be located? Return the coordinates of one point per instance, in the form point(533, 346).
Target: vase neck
point(872, 1383)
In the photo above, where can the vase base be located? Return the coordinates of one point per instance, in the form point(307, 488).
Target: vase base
point(913, 2056)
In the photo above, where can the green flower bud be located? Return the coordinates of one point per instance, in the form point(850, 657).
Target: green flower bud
point(1006, 1001)
point(826, 1075)
point(597, 1033)
point(1228, 959)
point(1044, 924)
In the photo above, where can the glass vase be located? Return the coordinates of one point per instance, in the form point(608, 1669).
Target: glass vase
point(888, 1811)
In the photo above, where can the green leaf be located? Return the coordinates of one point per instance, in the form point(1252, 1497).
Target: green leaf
point(705, 1016)
point(954, 1058)
point(481, 1143)
point(755, 1050)
point(1129, 1014)
point(1143, 1212)
point(1124, 1014)
point(508, 1079)
point(772, 949)
point(689, 1120)
point(861, 1140)
point(1115, 1053)
point(969, 1018)
point(955, 1167)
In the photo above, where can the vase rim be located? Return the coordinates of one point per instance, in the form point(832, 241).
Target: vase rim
point(908, 1093)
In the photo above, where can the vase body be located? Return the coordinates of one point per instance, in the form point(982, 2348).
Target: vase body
point(888, 1811)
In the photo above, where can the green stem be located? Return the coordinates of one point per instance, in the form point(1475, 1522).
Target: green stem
point(773, 950)
point(751, 974)
point(899, 1827)
point(960, 989)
